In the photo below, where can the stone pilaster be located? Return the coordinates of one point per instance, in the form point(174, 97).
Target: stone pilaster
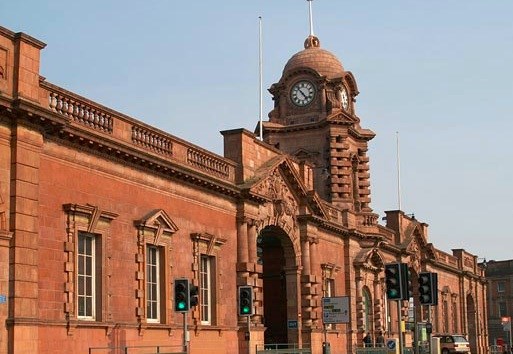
point(24, 221)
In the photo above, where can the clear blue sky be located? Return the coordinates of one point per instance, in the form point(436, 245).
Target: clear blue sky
point(439, 72)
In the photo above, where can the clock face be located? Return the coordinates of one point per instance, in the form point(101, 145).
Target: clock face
point(344, 98)
point(302, 93)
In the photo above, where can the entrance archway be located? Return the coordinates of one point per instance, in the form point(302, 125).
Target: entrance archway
point(471, 322)
point(279, 278)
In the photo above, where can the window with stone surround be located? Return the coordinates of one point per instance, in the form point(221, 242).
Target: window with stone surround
point(207, 263)
point(86, 282)
point(454, 314)
point(206, 256)
point(153, 260)
point(328, 271)
point(501, 287)
point(329, 291)
point(88, 273)
point(445, 316)
point(153, 283)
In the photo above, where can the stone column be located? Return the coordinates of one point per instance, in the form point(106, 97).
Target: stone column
point(314, 256)
point(252, 242)
point(305, 256)
point(242, 241)
point(359, 303)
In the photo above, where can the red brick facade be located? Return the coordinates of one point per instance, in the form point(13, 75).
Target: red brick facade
point(100, 213)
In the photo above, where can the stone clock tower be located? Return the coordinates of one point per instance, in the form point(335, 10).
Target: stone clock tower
point(314, 120)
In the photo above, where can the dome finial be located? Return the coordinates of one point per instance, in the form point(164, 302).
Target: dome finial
point(312, 42)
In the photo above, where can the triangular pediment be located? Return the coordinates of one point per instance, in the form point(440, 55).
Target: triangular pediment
point(370, 258)
point(341, 117)
point(417, 247)
point(303, 154)
point(279, 179)
point(157, 219)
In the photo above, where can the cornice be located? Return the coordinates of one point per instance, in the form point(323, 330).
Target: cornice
point(62, 129)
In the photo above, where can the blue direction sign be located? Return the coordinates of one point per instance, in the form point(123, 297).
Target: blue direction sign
point(391, 344)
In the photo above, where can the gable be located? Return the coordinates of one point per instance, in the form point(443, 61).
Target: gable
point(280, 181)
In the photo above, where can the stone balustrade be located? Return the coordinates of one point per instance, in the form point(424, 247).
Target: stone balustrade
point(103, 120)
point(80, 112)
point(207, 163)
point(151, 140)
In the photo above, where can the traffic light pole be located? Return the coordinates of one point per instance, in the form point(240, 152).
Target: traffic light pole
point(185, 333)
point(399, 322)
point(249, 334)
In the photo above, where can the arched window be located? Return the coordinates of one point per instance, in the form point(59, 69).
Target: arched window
point(367, 310)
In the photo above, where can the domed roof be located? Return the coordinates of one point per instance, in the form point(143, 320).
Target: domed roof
point(320, 60)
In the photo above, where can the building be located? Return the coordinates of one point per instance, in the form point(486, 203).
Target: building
point(100, 213)
point(499, 275)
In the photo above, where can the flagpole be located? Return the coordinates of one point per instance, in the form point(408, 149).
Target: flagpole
point(398, 173)
point(310, 17)
point(260, 70)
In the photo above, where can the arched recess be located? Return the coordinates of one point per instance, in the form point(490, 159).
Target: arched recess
point(280, 279)
point(368, 313)
point(471, 323)
point(371, 313)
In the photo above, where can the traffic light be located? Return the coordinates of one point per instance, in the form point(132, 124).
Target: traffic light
point(245, 300)
point(182, 299)
point(428, 288)
point(193, 295)
point(406, 277)
point(393, 281)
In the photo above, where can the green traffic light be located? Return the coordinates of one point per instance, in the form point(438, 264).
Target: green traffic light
point(181, 305)
point(245, 309)
point(392, 293)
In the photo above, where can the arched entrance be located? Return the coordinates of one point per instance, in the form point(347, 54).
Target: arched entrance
point(471, 323)
point(280, 286)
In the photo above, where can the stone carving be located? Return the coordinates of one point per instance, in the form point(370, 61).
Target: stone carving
point(283, 206)
point(415, 255)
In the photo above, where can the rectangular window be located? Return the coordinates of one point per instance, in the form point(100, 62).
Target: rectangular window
point(502, 309)
point(206, 288)
point(152, 284)
point(330, 287)
point(329, 292)
point(500, 287)
point(86, 276)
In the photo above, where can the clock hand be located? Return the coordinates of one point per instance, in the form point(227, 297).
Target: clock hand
point(301, 92)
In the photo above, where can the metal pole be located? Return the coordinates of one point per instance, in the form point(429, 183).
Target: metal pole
point(398, 172)
point(415, 331)
point(429, 321)
point(310, 16)
point(185, 344)
point(399, 326)
point(249, 334)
